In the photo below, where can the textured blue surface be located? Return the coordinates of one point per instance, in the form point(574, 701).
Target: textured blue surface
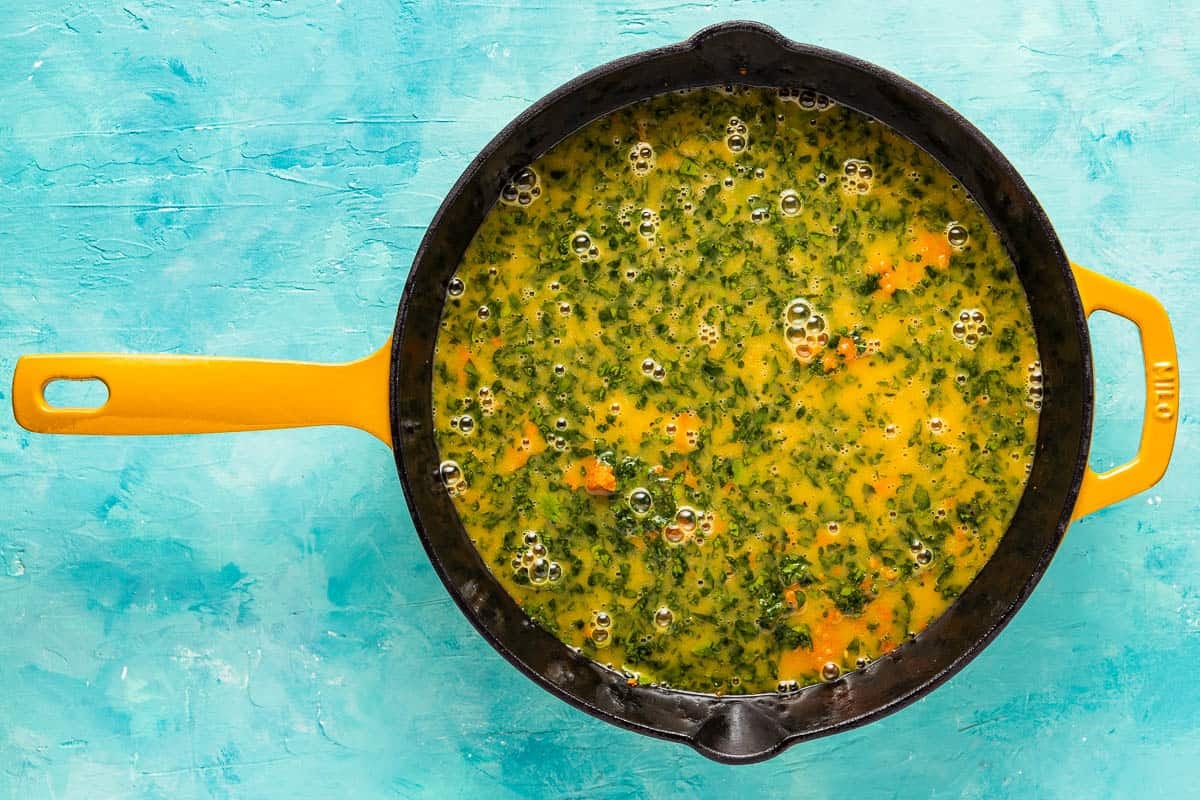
point(251, 615)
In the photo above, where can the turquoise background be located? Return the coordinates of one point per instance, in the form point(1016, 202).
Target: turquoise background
point(243, 616)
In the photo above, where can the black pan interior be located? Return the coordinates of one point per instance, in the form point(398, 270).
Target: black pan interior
point(751, 728)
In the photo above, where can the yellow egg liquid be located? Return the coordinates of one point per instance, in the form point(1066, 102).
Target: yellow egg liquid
point(735, 392)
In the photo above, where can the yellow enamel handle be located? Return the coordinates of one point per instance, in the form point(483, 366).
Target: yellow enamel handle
point(1100, 489)
point(156, 394)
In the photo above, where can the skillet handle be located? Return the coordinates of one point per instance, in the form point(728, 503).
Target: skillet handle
point(1162, 391)
point(161, 394)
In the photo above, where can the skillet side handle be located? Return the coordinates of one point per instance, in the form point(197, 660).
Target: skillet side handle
point(161, 394)
point(1162, 391)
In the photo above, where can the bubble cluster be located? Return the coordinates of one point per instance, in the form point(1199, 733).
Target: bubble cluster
point(522, 189)
point(1034, 386)
point(804, 330)
point(452, 477)
point(487, 400)
point(582, 246)
point(921, 554)
point(790, 203)
point(735, 135)
point(688, 523)
point(641, 158)
point(653, 369)
point(760, 214)
point(456, 287)
point(464, 424)
point(648, 226)
point(806, 98)
point(970, 327)
point(956, 234)
point(600, 631)
point(533, 561)
point(857, 176)
point(709, 334)
point(788, 687)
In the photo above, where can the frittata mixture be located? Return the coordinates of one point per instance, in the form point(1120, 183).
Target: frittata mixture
point(735, 390)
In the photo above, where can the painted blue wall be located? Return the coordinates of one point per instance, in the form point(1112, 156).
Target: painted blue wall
point(252, 616)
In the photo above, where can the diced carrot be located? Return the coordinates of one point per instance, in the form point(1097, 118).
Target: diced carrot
point(517, 455)
point(885, 486)
point(847, 349)
point(887, 283)
point(829, 362)
point(591, 474)
point(880, 611)
point(667, 159)
point(598, 477)
point(878, 262)
point(933, 248)
point(957, 544)
point(461, 356)
point(789, 597)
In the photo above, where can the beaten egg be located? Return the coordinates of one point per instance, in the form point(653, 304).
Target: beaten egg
point(735, 390)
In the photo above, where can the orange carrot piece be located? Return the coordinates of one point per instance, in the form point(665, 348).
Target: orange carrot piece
point(847, 349)
point(933, 248)
point(518, 454)
point(598, 477)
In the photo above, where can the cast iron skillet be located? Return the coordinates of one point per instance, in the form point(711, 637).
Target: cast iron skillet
point(162, 394)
